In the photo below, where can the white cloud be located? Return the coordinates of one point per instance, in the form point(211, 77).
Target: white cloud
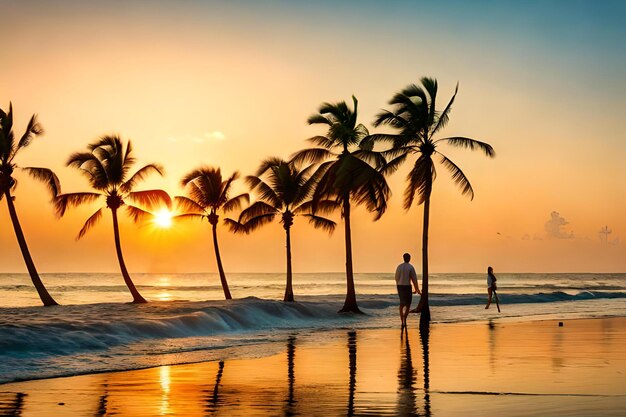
point(215, 135)
point(554, 227)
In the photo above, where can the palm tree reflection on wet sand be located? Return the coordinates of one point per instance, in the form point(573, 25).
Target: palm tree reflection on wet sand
point(213, 400)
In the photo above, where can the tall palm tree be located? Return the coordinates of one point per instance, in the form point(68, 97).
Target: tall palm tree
point(345, 173)
point(284, 190)
point(417, 121)
point(106, 165)
point(9, 148)
point(208, 194)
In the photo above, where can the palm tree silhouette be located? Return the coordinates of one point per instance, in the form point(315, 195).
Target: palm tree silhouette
point(346, 176)
point(416, 118)
point(9, 148)
point(284, 190)
point(106, 166)
point(208, 194)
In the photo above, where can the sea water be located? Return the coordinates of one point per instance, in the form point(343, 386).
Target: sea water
point(96, 329)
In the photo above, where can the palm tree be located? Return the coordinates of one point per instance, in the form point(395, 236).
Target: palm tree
point(417, 121)
point(283, 190)
point(346, 176)
point(9, 148)
point(208, 193)
point(106, 165)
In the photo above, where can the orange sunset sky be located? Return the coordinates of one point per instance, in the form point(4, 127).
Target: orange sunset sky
point(230, 83)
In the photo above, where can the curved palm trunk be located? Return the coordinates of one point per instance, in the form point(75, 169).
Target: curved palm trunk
point(137, 298)
point(350, 304)
point(288, 287)
point(45, 297)
point(423, 306)
point(220, 268)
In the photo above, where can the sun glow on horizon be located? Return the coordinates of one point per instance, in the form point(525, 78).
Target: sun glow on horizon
point(163, 218)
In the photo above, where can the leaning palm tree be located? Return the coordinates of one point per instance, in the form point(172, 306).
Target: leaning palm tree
point(9, 148)
point(417, 121)
point(106, 165)
point(208, 193)
point(284, 190)
point(345, 174)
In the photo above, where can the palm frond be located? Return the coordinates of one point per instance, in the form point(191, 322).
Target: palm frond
point(458, 176)
point(193, 175)
point(140, 175)
point(311, 155)
point(91, 222)
point(63, 201)
point(186, 216)
point(321, 223)
point(420, 181)
point(322, 141)
point(137, 214)
point(264, 191)
point(444, 117)
point(267, 164)
point(386, 117)
point(236, 202)
point(33, 129)
point(471, 144)
point(369, 156)
point(258, 208)
point(91, 167)
point(318, 119)
point(151, 198)
point(234, 226)
point(322, 206)
point(431, 87)
point(46, 176)
point(225, 189)
point(257, 222)
point(188, 206)
point(393, 165)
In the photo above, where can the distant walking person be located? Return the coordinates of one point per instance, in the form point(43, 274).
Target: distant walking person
point(405, 275)
point(491, 285)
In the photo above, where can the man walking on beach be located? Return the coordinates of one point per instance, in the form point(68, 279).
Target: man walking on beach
point(405, 275)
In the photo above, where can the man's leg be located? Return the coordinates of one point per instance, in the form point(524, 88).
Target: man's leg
point(407, 308)
point(489, 299)
point(402, 314)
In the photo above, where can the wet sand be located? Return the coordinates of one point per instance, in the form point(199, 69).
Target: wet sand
point(494, 368)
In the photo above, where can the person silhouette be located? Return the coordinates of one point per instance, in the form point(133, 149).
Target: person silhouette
point(405, 275)
point(491, 285)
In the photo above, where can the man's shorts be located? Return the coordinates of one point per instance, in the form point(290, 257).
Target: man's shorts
point(406, 294)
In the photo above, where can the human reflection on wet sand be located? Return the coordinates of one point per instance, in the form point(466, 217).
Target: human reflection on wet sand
point(492, 344)
point(213, 398)
point(11, 404)
point(407, 376)
point(352, 370)
point(290, 404)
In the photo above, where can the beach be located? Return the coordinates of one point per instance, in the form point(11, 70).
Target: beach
point(491, 368)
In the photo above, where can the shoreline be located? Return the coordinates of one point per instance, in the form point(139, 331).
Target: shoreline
point(583, 362)
point(264, 347)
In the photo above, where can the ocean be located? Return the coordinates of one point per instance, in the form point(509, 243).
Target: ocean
point(97, 330)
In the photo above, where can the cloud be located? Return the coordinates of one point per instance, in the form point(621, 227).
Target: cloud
point(214, 136)
point(554, 227)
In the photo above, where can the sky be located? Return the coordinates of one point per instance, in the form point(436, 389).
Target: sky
point(228, 84)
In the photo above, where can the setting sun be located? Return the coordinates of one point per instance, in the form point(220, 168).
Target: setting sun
point(163, 218)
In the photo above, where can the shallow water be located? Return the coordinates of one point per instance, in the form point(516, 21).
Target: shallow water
point(485, 368)
point(38, 342)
